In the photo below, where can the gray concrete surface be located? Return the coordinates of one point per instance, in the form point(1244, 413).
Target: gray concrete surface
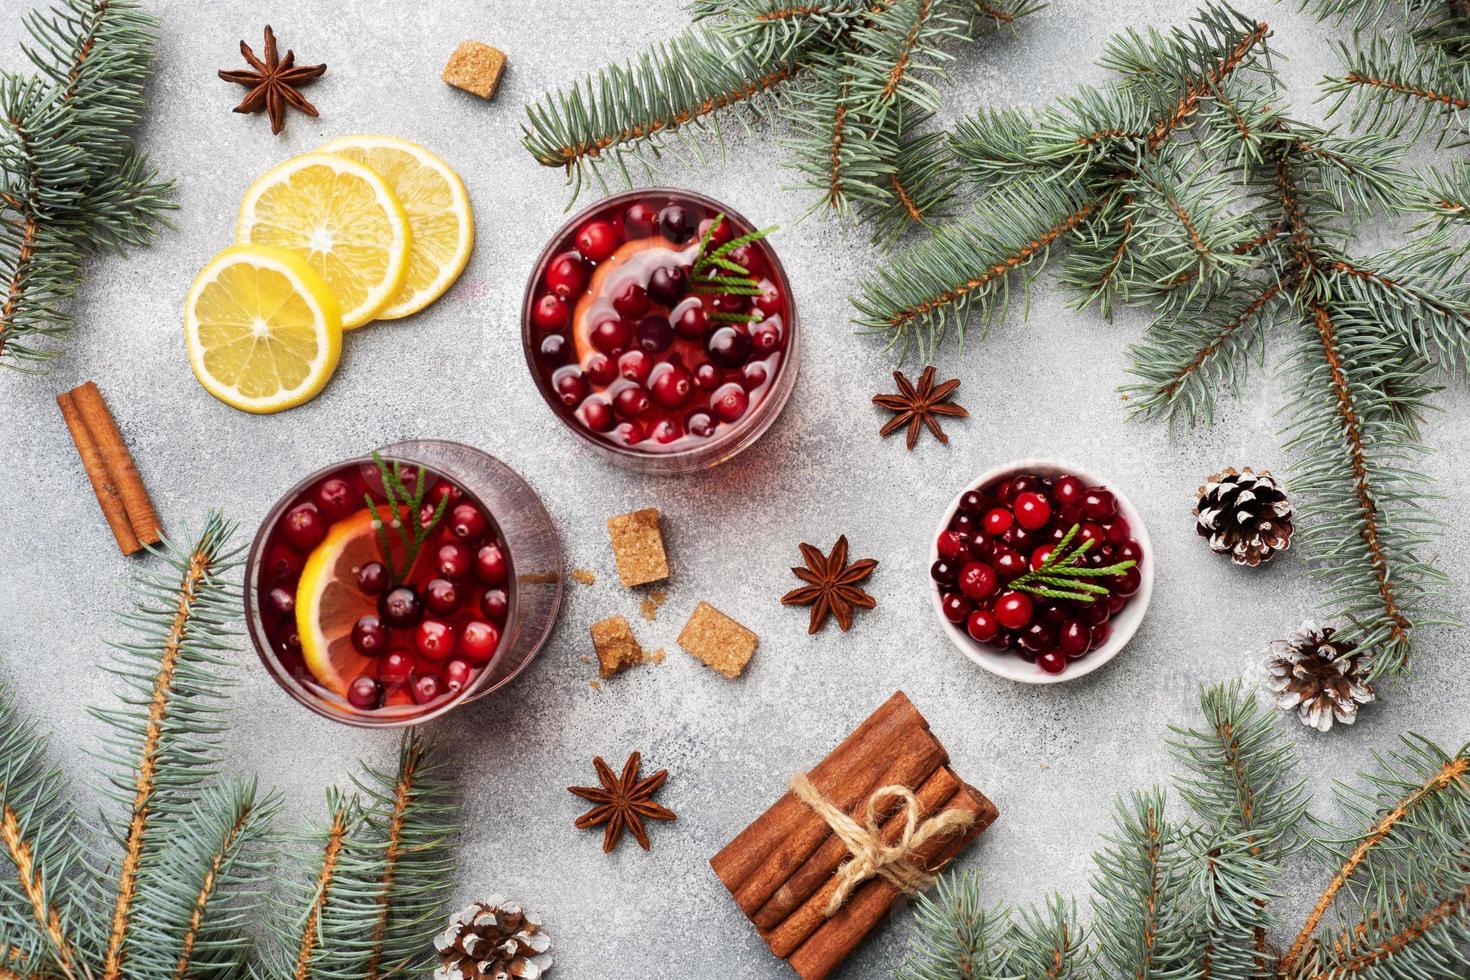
point(1052, 758)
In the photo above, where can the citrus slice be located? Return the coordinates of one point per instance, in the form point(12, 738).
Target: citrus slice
point(329, 603)
point(262, 329)
point(441, 225)
point(582, 314)
point(340, 217)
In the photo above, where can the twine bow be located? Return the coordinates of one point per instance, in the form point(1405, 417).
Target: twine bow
point(871, 857)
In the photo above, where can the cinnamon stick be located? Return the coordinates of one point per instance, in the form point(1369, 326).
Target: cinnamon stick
point(817, 880)
point(103, 486)
point(119, 462)
point(839, 935)
point(871, 746)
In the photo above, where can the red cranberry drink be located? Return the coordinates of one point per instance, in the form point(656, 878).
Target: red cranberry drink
point(384, 587)
point(1037, 565)
point(659, 323)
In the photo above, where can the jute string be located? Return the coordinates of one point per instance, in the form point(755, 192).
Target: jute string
point(895, 863)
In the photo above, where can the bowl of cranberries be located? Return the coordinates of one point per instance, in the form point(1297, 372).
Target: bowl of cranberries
point(659, 326)
point(1040, 572)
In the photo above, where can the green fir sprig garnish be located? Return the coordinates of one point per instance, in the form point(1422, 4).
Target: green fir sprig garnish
point(716, 274)
point(412, 532)
point(1062, 576)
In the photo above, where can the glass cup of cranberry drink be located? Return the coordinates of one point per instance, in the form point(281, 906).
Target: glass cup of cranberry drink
point(364, 628)
point(1008, 526)
point(635, 349)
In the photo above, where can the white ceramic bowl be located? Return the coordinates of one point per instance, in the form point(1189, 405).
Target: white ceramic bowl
point(1125, 624)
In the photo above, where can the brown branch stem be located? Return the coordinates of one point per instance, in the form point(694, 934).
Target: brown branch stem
point(1403, 88)
point(206, 892)
point(403, 796)
point(33, 886)
point(310, 934)
point(1221, 335)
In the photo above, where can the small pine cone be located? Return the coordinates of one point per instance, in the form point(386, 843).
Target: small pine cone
point(1245, 515)
point(493, 940)
point(1318, 676)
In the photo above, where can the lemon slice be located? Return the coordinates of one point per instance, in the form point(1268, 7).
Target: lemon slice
point(340, 217)
point(263, 330)
point(441, 225)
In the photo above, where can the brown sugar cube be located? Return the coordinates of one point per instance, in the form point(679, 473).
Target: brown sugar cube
point(617, 650)
point(718, 640)
point(475, 67)
point(638, 546)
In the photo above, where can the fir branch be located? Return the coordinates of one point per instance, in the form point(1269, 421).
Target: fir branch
point(309, 946)
point(956, 936)
point(1062, 575)
point(1396, 87)
point(1048, 944)
point(405, 516)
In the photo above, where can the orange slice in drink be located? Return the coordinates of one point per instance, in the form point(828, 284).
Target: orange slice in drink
point(588, 305)
point(329, 603)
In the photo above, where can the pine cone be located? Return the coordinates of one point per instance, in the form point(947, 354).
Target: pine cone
point(1318, 677)
point(492, 940)
point(1245, 515)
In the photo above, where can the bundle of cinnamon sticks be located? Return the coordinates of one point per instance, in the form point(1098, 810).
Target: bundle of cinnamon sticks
point(115, 480)
point(783, 868)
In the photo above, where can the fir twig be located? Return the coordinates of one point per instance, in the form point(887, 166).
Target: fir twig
point(405, 516)
point(1061, 574)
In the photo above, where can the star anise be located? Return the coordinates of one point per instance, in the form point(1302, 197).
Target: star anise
point(919, 406)
point(623, 803)
point(833, 586)
point(273, 83)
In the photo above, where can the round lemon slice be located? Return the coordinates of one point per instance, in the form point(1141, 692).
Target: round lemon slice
point(339, 216)
point(441, 224)
point(262, 329)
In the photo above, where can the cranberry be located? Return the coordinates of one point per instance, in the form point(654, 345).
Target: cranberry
point(1008, 564)
point(708, 377)
point(1101, 633)
point(1068, 491)
point(964, 523)
point(1013, 610)
point(971, 502)
point(718, 234)
point(304, 527)
point(675, 224)
point(1099, 504)
point(942, 571)
point(490, 565)
point(395, 668)
point(611, 334)
point(639, 219)
point(1036, 636)
point(452, 560)
point(365, 693)
point(400, 608)
point(424, 688)
point(1116, 603)
point(770, 299)
point(441, 596)
point(570, 385)
point(598, 240)
point(1093, 613)
point(457, 674)
point(1039, 556)
point(1032, 511)
point(1051, 613)
point(727, 346)
point(629, 433)
point(730, 402)
point(1117, 531)
point(748, 257)
point(997, 522)
point(983, 549)
point(631, 401)
point(1020, 538)
point(655, 334)
point(478, 642)
point(369, 636)
point(1022, 483)
point(731, 303)
point(690, 321)
point(554, 349)
point(467, 522)
point(634, 366)
point(596, 414)
point(671, 386)
point(982, 626)
point(434, 639)
point(335, 499)
point(551, 312)
point(291, 642)
point(1052, 661)
point(566, 275)
point(1130, 550)
point(281, 601)
point(630, 298)
point(494, 603)
point(668, 284)
point(700, 424)
point(956, 607)
point(977, 580)
point(752, 376)
point(1126, 584)
point(950, 545)
point(282, 562)
point(1073, 638)
point(666, 432)
point(372, 578)
point(601, 370)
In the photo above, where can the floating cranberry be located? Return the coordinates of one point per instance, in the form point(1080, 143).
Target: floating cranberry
point(1013, 610)
point(639, 219)
point(671, 386)
point(675, 224)
point(1008, 564)
point(666, 432)
point(457, 674)
point(372, 578)
point(1052, 661)
point(718, 234)
point(1032, 511)
point(690, 320)
point(467, 522)
point(400, 608)
point(1039, 556)
point(655, 334)
point(956, 607)
point(631, 402)
point(424, 688)
point(629, 432)
point(1073, 638)
point(770, 300)
point(452, 560)
point(551, 312)
point(977, 580)
point(495, 603)
point(335, 498)
point(611, 334)
point(369, 636)
point(304, 527)
point(281, 601)
point(598, 240)
point(364, 693)
point(553, 349)
point(601, 369)
point(731, 303)
point(478, 641)
point(596, 414)
point(635, 365)
point(708, 377)
point(700, 424)
point(395, 667)
point(283, 563)
point(570, 385)
point(630, 298)
point(441, 596)
point(997, 522)
point(668, 284)
point(982, 626)
point(1099, 504)
point(1101, 633)
point(490, 565)
point(950, 545)
point(729, 402)
point(749, 258)
point(752, 376)
point(942, 571)
point(727, 346)
point(434, 639)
